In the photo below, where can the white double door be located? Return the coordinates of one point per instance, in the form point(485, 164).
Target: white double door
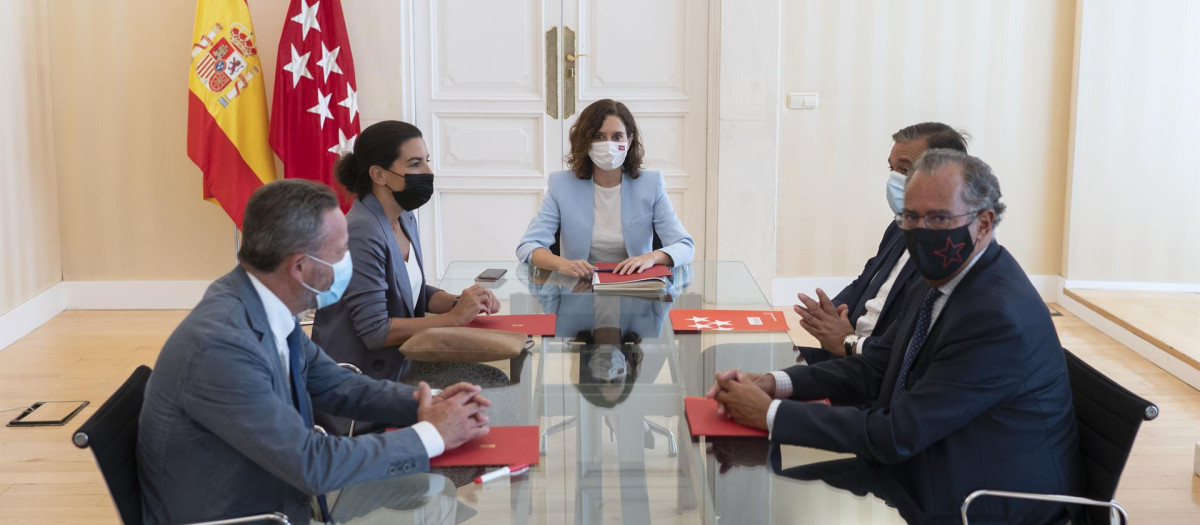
point(500, 82)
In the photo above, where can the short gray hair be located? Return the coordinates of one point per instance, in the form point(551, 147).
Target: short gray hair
point(936, 135)
point(981, 188)
point(284, 218)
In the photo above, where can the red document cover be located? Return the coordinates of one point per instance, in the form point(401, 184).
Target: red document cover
point(502, 446)
point(655, 272)
point(536, 324)
point(703, 420)
point(728, 321)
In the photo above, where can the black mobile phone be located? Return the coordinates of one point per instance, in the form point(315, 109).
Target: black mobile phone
point(491, 274)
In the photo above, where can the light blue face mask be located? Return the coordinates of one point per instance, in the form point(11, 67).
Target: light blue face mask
point(342, 270)
point(895, 191)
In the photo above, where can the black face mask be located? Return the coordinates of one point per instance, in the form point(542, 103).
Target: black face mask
point(939, 253)
point(418, 188)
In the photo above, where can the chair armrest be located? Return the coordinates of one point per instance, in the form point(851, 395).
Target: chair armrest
point(1114, 508)
point(274, 517)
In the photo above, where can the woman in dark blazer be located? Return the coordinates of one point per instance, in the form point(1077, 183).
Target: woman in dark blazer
point(388, 296)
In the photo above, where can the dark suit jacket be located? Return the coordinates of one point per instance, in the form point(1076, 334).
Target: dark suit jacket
point(353, 329)
point(219, 436)
point(987, 403)
point(867, 284)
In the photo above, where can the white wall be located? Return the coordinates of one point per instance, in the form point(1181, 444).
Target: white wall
point(1135, 189)
point(30, 258)
point(1001, 69)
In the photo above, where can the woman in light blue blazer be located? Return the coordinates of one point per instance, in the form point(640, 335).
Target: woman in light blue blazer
point(606, 208)
point(388, 296)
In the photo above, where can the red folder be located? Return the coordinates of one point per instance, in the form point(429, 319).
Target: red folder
point(654, 272)
point(728, 321)
point(703, 420)
point(536, 324)
point(502, 446)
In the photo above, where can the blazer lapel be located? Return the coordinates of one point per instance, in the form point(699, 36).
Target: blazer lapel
point(880, 273)
point(408, 223)
point(258, 322)
point(394, 257)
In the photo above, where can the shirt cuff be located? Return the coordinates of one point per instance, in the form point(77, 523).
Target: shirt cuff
point(771, 417)
point(859, 344)
point(434, 445)
point(783, 385)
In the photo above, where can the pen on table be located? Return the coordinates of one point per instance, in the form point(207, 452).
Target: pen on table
point(514, 470)
point(604, 270)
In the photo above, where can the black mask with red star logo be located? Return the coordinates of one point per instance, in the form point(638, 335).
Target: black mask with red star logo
point(939, 253)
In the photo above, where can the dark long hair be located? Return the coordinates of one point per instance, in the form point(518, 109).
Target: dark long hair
point(588, 123)
point(378, 145)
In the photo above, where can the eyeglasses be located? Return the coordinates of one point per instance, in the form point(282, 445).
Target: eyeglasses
point(908, 220)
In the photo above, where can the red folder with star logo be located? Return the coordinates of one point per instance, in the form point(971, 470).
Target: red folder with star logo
point(728, 321)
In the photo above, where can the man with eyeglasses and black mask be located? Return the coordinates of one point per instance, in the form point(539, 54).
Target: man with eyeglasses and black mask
point(868, 305)
point(970, 389)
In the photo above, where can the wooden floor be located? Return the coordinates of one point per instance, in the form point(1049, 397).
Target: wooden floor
point(87, 354)
point(1168, 320)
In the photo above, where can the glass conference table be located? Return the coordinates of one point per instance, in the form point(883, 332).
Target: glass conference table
point(607, 395)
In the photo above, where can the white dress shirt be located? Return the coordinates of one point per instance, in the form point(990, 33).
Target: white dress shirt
point(783, 383)
point(415, 278)
point(282, 323)
point(608, 241)
point(865, 325)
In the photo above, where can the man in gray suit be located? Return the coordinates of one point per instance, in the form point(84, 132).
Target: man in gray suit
point(222, 433)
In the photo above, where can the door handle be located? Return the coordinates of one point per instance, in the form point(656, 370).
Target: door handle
point(552, 72)
point(569, 73)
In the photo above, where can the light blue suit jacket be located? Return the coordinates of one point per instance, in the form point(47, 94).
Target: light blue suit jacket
point(645, 210)
point(219, 435)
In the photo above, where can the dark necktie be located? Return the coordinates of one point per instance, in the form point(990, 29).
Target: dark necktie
point(300, 398)
point(918, 339)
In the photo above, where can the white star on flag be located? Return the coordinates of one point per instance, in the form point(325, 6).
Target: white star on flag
point(695, 319)
point(344, 145)
point(351, 102)
point(722, 323)
point(307, 18)
point(298, 67)
point(329, 60)
point(322, 107)
point(701, 326)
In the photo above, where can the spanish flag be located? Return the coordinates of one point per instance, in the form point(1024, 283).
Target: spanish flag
point(227, 106)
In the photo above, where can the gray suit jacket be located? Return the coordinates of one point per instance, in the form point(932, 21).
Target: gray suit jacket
point(219, 436)
point(353, 329)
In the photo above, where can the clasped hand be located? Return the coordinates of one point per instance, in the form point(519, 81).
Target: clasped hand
point(743, 396)
point(828, 323)
point(458, 412)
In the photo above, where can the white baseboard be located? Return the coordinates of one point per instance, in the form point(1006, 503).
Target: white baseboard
point(134, 295)
point(783, 291)
point(31, 314)
point(1075, 284)
point(98, 295)
point(1144, 348)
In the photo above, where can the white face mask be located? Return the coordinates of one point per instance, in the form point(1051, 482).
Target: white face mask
point(608, 156)
point(608, 365)
point(895, 191)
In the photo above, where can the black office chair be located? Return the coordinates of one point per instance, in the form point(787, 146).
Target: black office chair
point(1108, 417)
point(112, 433)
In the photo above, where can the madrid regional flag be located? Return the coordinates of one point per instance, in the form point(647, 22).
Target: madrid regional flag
point(227, 106)
point(314, 117)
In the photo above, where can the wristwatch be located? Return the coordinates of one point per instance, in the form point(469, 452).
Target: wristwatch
point(849, 342)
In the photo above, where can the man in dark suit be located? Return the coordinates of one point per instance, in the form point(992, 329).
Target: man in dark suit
point(226, 429)
point(866, 306)
point(969, 389)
